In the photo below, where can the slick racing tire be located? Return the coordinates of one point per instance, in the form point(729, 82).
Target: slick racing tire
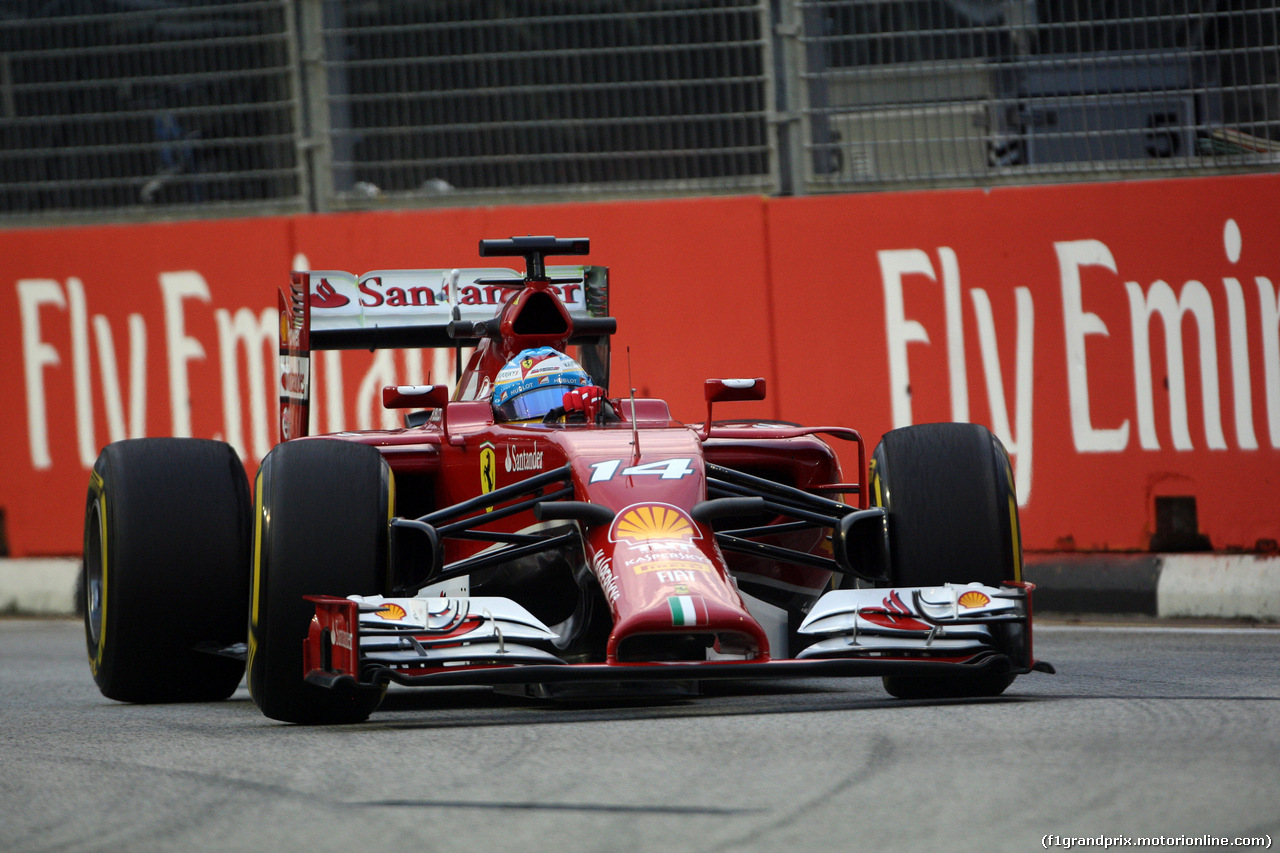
point(165, 579)
point(953, 518)
point(322, 512)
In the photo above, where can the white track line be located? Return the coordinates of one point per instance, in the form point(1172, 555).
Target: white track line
point(1153, 629)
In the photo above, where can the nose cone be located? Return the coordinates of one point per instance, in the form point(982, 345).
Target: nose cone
point(679, 625)
point(671, 595)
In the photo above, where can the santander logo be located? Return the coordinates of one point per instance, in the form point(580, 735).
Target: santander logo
point(524, 460)
point(325, 296)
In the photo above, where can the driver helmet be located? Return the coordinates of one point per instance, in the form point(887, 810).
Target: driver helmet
point(534, 382)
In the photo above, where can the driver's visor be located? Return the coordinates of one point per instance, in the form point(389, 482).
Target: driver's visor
point(533, 404)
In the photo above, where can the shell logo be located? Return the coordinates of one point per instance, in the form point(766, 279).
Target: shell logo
point(644, 522)
point(973, 598)
point(392, 611)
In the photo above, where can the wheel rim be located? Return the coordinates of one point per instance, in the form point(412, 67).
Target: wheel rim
point(93, 582)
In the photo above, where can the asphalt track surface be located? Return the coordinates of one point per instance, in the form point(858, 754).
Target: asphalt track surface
point(1147, 730)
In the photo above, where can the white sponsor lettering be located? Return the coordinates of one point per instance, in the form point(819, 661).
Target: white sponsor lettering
point(80, 371)
point(1159, 299)
point(342, 639)
point(1232, 311)
point(665, 549)
point(1171, 304)
point(37, 354)
point(603, 568)
point(256, 335)
point(293, 378)
point(668, 469)
point(177, 288)
point(1269, 320)
point(900, 331)
point(1238, 334)
point(1017, 443)
point(248, 379)
point(34, 293)
point(112, 399)
point(1078, 324)
point(524, 460)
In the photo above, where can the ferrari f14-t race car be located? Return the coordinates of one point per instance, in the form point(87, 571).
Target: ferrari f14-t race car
point(531, 531)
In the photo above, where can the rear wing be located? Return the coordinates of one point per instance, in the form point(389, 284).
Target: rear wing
point(401, 309)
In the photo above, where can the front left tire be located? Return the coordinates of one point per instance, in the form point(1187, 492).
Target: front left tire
point(166, 569)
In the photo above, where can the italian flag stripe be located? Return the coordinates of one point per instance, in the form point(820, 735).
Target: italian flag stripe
point(683, 611)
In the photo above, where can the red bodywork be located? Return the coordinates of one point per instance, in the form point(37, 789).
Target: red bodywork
point(660, 571)
point(654, 550)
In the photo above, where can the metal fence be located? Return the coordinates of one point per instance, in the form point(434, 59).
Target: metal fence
point(138, 107)
point(985, 91)
point(162, 108)
point(457, 98)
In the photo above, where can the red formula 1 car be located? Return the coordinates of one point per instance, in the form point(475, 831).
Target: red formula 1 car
point(532, 531)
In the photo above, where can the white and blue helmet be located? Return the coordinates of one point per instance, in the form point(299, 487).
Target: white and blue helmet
point(534, 382)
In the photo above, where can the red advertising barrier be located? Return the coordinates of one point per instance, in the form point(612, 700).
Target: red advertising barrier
point(1121, 338)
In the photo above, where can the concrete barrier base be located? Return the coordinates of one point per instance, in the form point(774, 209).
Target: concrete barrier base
point(1238, 586)
point(43, 586)
point(1217, 586)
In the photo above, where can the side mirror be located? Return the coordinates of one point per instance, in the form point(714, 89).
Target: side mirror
point(415, 396)
point(726, 390)
point(426, 397)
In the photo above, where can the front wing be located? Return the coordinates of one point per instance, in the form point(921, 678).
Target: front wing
point(365, 642)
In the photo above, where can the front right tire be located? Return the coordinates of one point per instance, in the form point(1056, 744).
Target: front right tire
point(953, 518)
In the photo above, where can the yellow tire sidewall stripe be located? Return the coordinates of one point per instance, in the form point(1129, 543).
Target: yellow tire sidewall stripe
point(256, 581)
point(1014, 529)
point(97, 486)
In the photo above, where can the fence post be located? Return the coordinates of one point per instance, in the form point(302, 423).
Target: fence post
point(785, 118)
point(315, 143)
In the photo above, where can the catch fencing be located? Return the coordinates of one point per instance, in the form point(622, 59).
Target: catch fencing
point(195, 108)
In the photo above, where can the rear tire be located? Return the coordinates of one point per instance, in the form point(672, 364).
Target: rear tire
point(322, 512)
point(166, 568)
point(953, 518)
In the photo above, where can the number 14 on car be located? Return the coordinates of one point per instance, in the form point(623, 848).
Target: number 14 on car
point(667, 469)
